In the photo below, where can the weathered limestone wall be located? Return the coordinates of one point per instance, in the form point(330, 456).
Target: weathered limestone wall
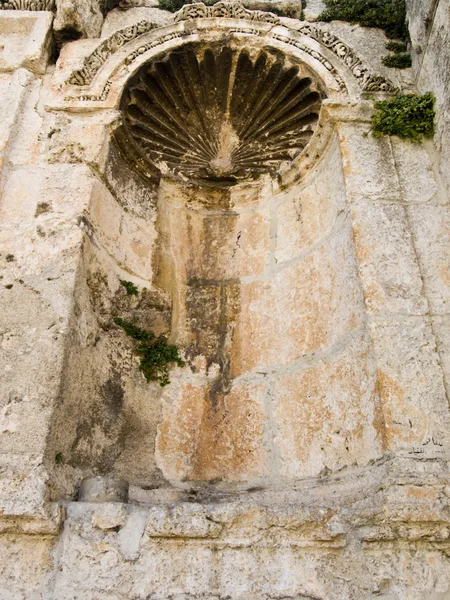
point(428, 26)
point(303, 450)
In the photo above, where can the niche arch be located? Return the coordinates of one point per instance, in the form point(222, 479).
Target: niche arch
point(249, 268)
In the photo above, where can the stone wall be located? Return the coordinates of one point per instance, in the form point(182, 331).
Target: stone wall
point(302, 451)
point(428, 25)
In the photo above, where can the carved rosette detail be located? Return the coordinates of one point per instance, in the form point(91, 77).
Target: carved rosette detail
point(217, 114)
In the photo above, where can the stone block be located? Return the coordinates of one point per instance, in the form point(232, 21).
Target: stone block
point(50, 195)
point(411, 387)
point(368, 164)
point(26, 566)
point(304, 307)
point(307, 215)
point(414, 158)
point(328, 416)
point(388, 266)
point(129, 239)
point(232, 239)
point(441, 328)
point(28, 143)
point(78, 138)
point(431, 231)
point(22, 485)
point(25, 38)
point(13, 90)
point(213, 435)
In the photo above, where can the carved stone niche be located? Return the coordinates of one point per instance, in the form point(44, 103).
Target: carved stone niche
point(256, 283)
point(218, 114)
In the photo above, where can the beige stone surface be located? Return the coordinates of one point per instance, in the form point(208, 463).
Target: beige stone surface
point(328, 416)
point(429, 34)
point(411, 386)
point(25, 38)
point(307, 215)
point(303, 308)
point(208, 434)
point(415, 158)
point(302, 451)
point(388, 264)
point(431, 230)
point(368, 164)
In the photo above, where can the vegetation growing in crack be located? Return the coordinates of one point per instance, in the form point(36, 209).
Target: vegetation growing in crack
point(397, 61)
point(408, 116)
point(155, 353)
point(396, 47)
point(401, 59)
point(389, 15)
point(130, 287)
point(174, 5)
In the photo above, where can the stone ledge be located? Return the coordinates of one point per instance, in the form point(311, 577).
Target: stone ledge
point(26, 39)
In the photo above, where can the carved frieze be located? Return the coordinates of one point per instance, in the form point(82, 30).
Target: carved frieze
point(347, 55)
point(366, 80)
point(94, 61)
point(226, 10)
point(28, 5)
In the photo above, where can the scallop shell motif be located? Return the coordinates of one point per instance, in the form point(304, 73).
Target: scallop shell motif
point(218, 114)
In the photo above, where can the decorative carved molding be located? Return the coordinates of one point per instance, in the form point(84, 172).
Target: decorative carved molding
point(366, 80)
point(218, 114)
point(94, 61)
point(234, 10)
point(145, 47)
point(226, 10)
point(326, 63)
point(28, 5)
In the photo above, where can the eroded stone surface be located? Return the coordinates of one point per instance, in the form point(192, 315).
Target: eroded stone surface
point(302, 450)
point(331, 405)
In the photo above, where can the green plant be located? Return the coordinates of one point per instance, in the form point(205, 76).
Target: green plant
point(155, 353)
point(174, 5)
point(397, 61)
point(130, 287)
point(389, 15)
point(408, 116)
point(396, 47)
point(59, 458)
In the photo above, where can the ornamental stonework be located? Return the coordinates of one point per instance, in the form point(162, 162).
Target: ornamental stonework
point(224, 333)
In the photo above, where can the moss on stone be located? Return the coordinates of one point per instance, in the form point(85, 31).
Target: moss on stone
point(130, 287)
point(389, 15)
point(397, 61)
point(407, 116)
point(155, 353)
point(396, 47)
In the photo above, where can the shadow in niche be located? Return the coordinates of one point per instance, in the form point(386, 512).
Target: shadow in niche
point(260, 291)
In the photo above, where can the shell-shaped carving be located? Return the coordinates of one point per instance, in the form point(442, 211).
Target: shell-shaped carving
point(218, 114)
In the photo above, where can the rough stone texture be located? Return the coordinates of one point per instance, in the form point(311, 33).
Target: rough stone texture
point(302, 451)
point(428, 23)
point(389, 269)
point(77, 19)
